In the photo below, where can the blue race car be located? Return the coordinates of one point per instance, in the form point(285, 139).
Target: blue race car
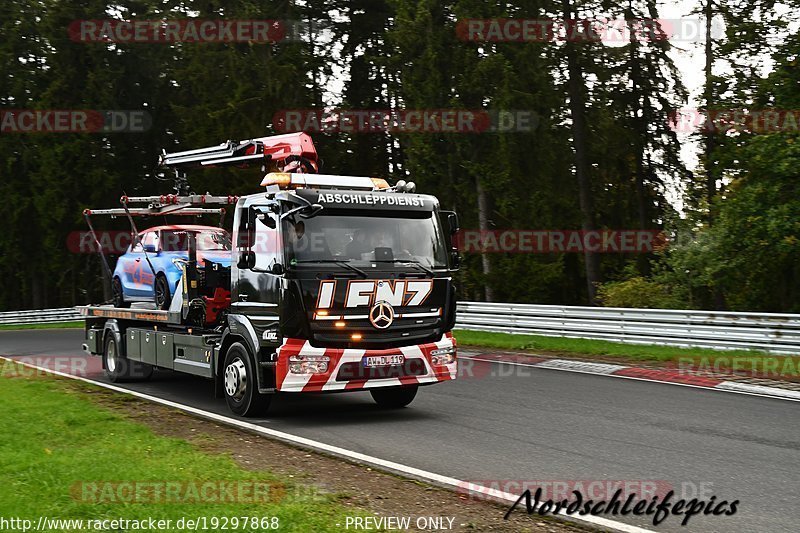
point(166, 247)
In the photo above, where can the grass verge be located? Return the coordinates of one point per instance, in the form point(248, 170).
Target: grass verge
point(64, 457)
point(746, 362)
point(57, 325)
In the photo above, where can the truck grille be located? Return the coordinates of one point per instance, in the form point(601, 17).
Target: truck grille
point(402, 332)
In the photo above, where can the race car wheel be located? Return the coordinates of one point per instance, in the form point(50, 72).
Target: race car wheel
point(117, 294)
point(240, 383)
point(394, 397)
point(161, 291)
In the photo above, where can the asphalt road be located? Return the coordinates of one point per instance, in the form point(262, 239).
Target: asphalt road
point(504, 424)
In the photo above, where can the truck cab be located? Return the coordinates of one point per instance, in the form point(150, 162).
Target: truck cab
point(343, 285)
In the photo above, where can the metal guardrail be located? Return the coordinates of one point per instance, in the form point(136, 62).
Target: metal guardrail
point(773, 332)
point(40, 316)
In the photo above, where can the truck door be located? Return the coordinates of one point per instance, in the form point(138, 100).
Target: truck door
point(258, 282)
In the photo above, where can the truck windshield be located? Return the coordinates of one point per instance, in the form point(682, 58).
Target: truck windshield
point(365, 241)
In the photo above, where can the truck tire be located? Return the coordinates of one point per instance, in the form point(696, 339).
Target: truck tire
point(119, 368)
point(118, 295)
point(161, 293)
point(240, 383)
point(394, 397)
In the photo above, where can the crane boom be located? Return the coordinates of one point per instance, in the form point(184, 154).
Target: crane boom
point(291, 152)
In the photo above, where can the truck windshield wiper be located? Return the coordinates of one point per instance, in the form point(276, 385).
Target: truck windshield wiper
point(340, 262)
point(411, 262)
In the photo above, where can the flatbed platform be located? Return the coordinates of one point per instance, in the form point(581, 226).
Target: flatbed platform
point(143, 315)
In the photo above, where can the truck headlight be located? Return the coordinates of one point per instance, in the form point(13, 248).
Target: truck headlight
point(308, 364)
point(443, 356)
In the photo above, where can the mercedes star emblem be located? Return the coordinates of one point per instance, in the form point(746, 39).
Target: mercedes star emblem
point(381, 315)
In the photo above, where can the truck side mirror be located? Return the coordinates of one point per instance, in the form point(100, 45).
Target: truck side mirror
point(267, 220)
point(312, 211)
point(247, 260)
point(452, 221)
point(452, 218)
point(455, 260)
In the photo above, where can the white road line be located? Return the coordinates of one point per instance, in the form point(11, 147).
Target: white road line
point(752, 390)
point(357, 457)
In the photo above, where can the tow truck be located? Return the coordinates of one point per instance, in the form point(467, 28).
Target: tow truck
point(336, 283)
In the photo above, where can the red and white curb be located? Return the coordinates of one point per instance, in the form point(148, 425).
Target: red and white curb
point(665, 375)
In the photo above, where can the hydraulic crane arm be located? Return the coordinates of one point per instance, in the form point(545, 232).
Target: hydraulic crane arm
point(292, 152)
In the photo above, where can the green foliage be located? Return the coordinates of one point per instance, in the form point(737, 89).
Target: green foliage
point(749, 258)
point(639, 292)
point(756, 239)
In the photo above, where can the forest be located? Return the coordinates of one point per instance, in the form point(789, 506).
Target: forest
point(600, 141)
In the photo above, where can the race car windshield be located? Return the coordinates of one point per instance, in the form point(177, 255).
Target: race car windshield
point(207, 241)
point(365, 241)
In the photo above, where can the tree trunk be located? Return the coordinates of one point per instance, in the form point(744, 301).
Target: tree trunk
point(483, 225)
point(640, 127)
point(710, 140)
point(577, 106)
point(711, 180)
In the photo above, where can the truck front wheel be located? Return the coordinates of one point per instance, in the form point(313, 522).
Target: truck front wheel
point(240, 383)
point(394, 397)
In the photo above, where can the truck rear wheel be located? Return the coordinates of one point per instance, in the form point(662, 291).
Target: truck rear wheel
point(240, 383)
point(119, 368)
point(394, 397)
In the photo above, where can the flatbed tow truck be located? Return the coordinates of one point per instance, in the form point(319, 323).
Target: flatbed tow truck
point(336, 283)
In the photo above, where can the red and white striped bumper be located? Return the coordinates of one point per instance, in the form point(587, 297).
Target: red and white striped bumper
point(345, 367)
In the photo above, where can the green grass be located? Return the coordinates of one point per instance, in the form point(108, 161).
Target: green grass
point(57, 325)
point(774, 366)
point(55, 438)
